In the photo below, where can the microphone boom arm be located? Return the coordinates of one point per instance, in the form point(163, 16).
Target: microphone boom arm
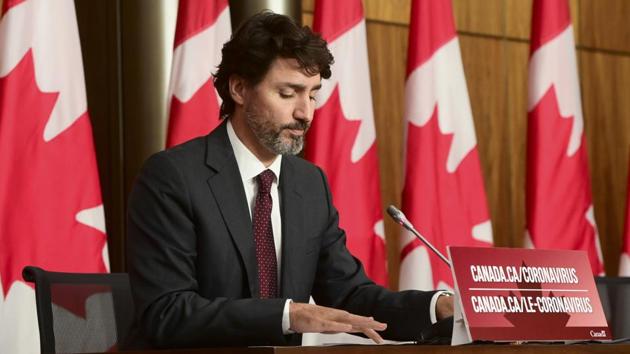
point(400, 218)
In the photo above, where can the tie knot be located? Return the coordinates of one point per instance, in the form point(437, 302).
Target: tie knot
point(265, 178)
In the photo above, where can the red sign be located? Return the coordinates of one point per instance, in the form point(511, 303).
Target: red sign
point(509, 294)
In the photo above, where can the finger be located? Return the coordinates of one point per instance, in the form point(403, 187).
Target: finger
point(368, 322)
point(373, 335)
point(370, 333)
point(342, 315)
point(359, 321)
point(335, 327)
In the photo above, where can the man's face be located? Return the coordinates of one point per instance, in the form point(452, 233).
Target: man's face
point(279, 109)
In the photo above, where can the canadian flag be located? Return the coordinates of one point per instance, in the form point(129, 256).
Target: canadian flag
point(559, 208)
point(202, 28)
point(624, 263)
point(342, 138)
point(51, 213)
point(443, 193)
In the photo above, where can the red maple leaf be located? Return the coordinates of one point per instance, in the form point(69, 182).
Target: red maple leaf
point(195, 117)
point(355, 186)
point(531, 322)
point(558, 186)
point(43, 185)
point(443, 206)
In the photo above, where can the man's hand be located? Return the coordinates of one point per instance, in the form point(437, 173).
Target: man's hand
point(444, 307)
point(319, 319)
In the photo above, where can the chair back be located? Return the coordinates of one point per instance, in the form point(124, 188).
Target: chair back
point(81, 312)
point(614, 293)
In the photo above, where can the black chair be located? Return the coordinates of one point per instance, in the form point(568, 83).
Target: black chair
point(81, 312)
point(614, 293)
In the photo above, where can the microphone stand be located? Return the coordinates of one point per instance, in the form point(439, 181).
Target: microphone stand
point(400, 218)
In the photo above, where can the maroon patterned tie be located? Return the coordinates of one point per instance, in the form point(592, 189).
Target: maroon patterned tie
point(263, 237)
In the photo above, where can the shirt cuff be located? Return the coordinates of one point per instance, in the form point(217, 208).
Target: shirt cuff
point(433, 305)
point(286, 320)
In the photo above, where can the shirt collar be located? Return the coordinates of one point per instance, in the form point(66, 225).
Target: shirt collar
point(248, 163)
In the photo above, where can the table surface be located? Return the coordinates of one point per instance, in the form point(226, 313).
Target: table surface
point(530, 348)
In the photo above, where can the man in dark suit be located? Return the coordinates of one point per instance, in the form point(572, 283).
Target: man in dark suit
point(229, 234)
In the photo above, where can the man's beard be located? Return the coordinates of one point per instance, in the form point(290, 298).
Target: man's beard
point(269, 135)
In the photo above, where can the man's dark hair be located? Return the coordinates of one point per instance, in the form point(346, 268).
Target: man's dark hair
point(258, 42)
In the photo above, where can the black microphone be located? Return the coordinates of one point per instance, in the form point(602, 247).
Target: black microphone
point(400, 218)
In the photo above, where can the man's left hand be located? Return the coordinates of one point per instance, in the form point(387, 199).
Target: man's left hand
point(444, 307)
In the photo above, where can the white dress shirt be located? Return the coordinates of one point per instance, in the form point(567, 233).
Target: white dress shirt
point(250, 167)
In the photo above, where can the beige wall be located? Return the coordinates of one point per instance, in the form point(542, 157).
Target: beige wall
point(494, 37)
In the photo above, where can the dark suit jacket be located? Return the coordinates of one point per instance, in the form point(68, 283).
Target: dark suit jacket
point(192, 263)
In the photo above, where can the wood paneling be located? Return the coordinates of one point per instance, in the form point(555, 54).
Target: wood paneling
point(308, 5)
point(497, 83)
point(391, 11)
point(494, 37)
point(307, 19)
point(604, 24)
point(574, 6)
point(484, 73)
point(479, 16)
point(387, 54)
point(517, 16)
point(517, 56)
point(605, 87)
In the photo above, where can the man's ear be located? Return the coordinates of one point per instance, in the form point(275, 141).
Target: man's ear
point(238, 89)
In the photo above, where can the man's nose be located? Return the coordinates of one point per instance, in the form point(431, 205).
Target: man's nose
point(304, 109)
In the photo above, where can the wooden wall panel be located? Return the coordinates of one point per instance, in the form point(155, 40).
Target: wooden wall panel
point(517, 56)
point(387, 51)
point(604, 24)
point(479, 16)
point(307, 19)
point(494, 38)
point(605, 87)
point(308, 5)
point(517, 17)
point(483, 74)
point(390, 11)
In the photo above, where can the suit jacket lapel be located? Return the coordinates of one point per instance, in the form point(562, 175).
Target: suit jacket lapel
point(228, 191)
point(292, 228)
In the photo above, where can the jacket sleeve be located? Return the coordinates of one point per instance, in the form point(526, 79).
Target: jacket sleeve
point(342, 283)
point(162, 258)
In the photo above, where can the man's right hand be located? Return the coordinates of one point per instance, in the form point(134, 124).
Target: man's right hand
point(319, 319)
